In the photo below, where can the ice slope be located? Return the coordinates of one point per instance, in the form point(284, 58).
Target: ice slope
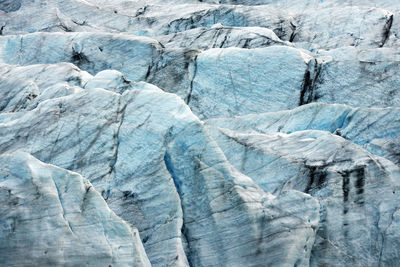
point(228, 133)
point(53, 217)
point(134, 157)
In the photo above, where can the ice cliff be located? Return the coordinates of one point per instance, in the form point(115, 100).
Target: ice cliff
point(199, 133)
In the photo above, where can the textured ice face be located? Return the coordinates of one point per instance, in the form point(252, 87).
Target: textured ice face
point(228, 133)
point(346, 179)
point(88, 51)
point(149, 154)
point(248, 81)
point(52, 216)
point(10, 5)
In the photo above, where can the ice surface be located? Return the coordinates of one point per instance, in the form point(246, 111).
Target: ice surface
point(199, 133)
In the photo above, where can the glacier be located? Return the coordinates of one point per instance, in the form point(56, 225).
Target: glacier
point(199, 133)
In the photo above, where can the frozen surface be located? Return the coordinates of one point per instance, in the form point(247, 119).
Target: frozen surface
point(51, 216)
point(199, 133)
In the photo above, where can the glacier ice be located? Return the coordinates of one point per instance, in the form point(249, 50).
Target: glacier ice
point(241, 86)
point(199, 133)
point(51, 216)
point(142, 140)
